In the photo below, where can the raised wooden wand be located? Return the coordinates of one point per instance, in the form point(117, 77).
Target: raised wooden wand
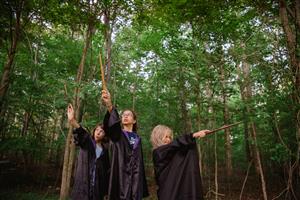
point(102, 72)
point(223, 127)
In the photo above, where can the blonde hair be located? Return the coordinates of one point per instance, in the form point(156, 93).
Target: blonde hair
point(158, 134)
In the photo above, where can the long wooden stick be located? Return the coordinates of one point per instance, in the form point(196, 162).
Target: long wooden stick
point(66, 93)
point(102, 72)
point(223, 127)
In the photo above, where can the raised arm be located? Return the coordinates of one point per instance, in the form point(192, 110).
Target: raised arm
point(81, 136)
point(71, 117)
point(107, 100)
point(111, 122)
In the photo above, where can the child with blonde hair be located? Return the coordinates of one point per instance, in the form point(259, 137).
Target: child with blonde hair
point(176, 164)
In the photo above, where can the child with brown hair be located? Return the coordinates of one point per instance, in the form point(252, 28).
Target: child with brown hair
point(176, 164)
point(92, 171)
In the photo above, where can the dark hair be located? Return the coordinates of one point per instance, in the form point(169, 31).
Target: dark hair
point(135, 127)
point(105, 139)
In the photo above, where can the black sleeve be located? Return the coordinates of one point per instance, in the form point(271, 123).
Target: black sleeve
point(82, 138)
point(163, 154)
point(112, 125)
point(183, 141)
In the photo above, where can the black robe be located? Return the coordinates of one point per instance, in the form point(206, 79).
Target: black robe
point(83, 188)
point(127, 179)
point(177, 171)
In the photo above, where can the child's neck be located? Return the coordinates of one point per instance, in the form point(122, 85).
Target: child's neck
point(98, 142)
point(128, 128)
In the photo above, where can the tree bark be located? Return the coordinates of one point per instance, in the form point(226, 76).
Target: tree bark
point(187, 126)
point(7, 70)
point(291, 41)
point(198, 104)
point(211, 144)
point(216, 166)
point(70, 147)
point(226, 121)
point(291, 30)
point(249, 154)
point(252, 129)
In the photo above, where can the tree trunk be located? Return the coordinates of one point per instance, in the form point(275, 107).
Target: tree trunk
point(7, 70)
point(198, 103)
point(291, 30)
point(210, 145)
point(249, 154)
point(291, 41)
point(187, 126)
point(197, 90)
point(70, 147)
point(252, 128)
point(226, 121)
point(134, 86)
point(216, 166)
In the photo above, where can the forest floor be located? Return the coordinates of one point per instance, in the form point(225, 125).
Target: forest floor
point(44, 184)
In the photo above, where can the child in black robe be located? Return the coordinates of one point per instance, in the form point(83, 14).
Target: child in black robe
point(127, 179)
point(92, 169)
point(176, 165)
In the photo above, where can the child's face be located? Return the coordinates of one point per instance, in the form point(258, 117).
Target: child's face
point(98, 134)
point(167, 139)
point(128, 118)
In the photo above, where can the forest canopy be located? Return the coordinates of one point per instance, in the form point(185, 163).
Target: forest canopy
point(190, 65)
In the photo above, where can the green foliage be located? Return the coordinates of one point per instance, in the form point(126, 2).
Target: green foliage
point(167, 61)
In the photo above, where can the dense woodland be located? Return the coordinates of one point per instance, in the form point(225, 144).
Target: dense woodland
point(188, 64)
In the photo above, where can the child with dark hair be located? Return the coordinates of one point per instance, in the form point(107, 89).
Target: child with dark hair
point(127, 179)
point(92, 171)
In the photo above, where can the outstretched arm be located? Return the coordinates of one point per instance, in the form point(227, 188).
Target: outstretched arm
point(200, 134)
point(71, 117)
point(184, 141)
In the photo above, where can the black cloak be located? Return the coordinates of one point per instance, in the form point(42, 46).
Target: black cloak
point(127, 179)
point(177, 171)
point(83, 188)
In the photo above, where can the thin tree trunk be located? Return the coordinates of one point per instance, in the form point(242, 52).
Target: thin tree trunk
point(291, 30)
point(297, 12)
point(211, 156)
point(226, 121)
point(259, 164)
point(198, 103)
point(216, 166)
point(7, 70)
point(70, 147)
point(249, 154)
point(291, 42)
point(134, 87)
point(184, 113)
point(252, 129)
point(197, 90)
point(187, 126)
